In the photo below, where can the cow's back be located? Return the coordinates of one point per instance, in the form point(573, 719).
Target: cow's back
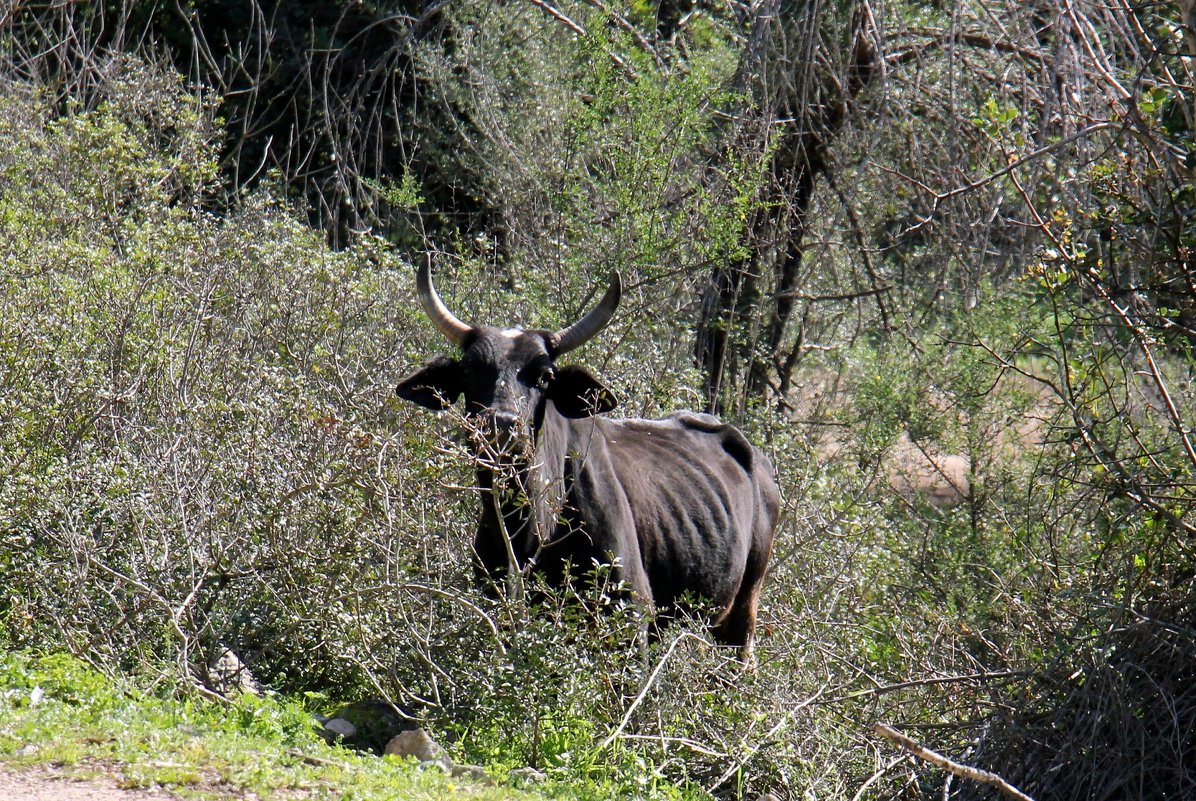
point(703, 500)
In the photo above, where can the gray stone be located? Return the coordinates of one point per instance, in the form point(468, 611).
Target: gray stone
point(341, 728)
point(418, 744)
point(228, 675)
point(415, 743)
point(377, 723)
point(473, 773)
point(528, 774)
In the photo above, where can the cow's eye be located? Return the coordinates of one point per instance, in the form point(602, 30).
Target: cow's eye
point(538, 375)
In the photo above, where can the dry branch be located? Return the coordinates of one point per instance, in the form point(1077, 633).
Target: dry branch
point(578, 29)
point(949, 765)
point(614, 735)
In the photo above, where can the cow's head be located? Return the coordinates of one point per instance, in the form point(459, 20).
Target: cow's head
point(507, 375)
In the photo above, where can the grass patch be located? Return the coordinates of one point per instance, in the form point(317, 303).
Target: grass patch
point(54, 710)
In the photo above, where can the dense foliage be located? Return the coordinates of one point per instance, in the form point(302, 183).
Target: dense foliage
point(938, 261)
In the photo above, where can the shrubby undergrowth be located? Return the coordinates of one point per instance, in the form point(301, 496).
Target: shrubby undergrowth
point(201, 451)
point(986, 530)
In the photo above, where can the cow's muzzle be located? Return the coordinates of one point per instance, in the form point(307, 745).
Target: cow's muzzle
point(506, 432)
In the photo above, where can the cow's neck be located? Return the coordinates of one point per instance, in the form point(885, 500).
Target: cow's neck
point(521, 500)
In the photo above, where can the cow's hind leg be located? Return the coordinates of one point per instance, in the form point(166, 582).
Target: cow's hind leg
point(738, 628)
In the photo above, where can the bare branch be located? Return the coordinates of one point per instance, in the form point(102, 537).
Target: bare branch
point(651, 681)
point(949, 765)
point(626, 25)
point(564, 19)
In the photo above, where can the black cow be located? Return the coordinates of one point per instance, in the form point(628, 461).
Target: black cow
point(682, 507)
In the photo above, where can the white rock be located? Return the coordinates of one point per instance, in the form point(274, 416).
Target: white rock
point(341, 727)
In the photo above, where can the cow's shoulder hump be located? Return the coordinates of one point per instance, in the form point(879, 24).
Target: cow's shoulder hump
point(731, 438)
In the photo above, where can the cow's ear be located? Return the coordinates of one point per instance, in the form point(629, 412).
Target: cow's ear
point(436, 386)
point(576, 393)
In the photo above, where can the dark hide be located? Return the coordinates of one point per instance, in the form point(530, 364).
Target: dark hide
point(679, 507)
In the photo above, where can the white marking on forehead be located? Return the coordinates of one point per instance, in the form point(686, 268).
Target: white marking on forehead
point(511, 333)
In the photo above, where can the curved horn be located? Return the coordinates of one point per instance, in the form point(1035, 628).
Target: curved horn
point(580, 332)
point(441, 317)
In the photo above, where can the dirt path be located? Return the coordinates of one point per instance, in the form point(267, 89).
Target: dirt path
point(41, 784)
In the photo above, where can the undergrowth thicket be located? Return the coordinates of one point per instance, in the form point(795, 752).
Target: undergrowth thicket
point(986, 462)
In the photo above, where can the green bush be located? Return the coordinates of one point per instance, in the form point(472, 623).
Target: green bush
point(193, 433)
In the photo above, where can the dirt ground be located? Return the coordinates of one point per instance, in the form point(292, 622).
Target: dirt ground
point(41, 784)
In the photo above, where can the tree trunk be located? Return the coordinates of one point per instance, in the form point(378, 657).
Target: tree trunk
point(802, 67)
